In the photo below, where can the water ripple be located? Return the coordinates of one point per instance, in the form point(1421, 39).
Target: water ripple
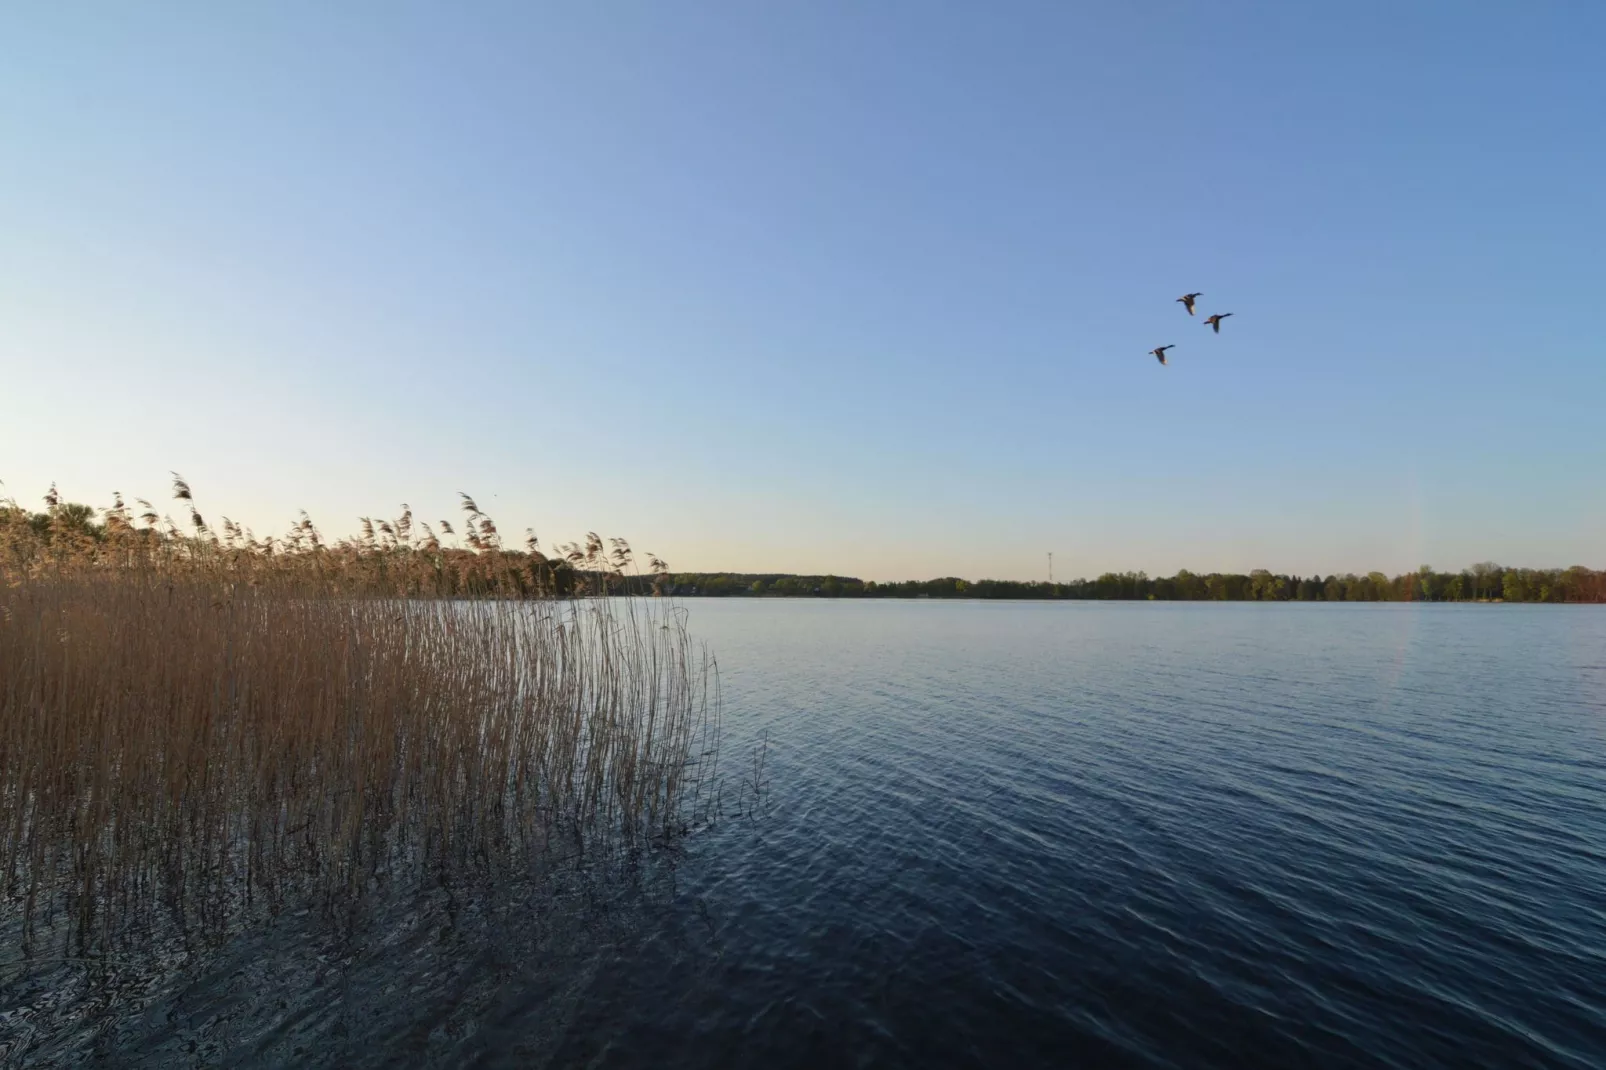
point(1012, 835)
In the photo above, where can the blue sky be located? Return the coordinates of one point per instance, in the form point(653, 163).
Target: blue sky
point(823, 287)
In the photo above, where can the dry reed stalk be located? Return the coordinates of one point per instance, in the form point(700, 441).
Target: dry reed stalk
point(194, 725)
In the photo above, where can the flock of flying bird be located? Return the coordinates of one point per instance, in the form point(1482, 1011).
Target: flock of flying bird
point(1213, 322)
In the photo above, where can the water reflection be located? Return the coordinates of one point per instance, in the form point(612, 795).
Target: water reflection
point(1014, 835)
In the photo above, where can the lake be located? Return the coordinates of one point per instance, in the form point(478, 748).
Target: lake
point(1006, 834)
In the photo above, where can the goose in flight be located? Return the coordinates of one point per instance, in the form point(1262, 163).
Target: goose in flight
point(1215, 321)
point(1187, 301)
point(1159, 354)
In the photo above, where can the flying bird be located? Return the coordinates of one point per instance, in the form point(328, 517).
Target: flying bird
point(1159, 354)
point(1215, 321)
point(1187, 301)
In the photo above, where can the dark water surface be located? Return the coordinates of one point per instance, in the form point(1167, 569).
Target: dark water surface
point(1029, 834)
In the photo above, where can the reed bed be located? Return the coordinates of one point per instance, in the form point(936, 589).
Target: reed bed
point(194, 725)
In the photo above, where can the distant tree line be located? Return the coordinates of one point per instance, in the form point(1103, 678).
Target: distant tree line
point(1484, 582)
point(392, 557)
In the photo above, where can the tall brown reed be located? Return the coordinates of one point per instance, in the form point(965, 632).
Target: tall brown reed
point(194, 724)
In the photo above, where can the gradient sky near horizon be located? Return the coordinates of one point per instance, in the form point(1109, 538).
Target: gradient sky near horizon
point(822, 287)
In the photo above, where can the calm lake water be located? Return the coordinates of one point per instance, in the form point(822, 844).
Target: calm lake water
point(1168, 835)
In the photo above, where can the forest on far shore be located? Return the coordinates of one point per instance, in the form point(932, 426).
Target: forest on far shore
point(391, 555)
point(1484, 582)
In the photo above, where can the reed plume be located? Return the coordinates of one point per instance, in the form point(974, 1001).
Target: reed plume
point(194, 724)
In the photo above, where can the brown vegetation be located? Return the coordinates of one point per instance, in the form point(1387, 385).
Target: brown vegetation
point(196, 722)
